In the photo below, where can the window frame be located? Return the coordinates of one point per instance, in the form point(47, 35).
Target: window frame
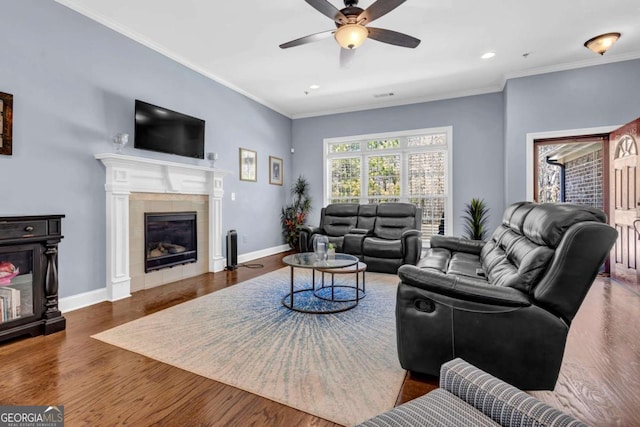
point(404, 150)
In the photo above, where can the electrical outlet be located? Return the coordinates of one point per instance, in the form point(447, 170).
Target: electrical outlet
point(244, 238)
point(233, 196)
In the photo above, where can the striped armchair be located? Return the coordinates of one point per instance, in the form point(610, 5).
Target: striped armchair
point(469, 396)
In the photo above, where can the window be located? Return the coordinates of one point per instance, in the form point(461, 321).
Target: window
point(410, 166)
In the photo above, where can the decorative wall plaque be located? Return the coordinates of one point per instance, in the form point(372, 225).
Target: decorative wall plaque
point(6, 123)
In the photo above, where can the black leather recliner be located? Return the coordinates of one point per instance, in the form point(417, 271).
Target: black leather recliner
point(506, 304)
point(384, 236)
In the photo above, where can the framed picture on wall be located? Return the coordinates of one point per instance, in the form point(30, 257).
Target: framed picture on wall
point(6, 123)
point(248, 165)
point(275, 170)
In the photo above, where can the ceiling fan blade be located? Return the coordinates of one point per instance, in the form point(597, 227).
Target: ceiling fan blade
point(346, 57)
point(308, 39)
point(393, 37)
point(329, 10)
point(378, 9)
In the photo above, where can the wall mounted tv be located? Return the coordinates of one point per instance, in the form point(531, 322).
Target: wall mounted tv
point(166, 131)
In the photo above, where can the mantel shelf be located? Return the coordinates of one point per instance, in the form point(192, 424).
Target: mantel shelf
point(113, 157)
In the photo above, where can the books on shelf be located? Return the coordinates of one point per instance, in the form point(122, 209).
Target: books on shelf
point(9, 303)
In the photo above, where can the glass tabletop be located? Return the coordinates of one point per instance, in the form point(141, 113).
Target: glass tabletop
point(312, 260)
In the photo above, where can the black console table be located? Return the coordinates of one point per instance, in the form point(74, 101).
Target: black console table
point(29, 276)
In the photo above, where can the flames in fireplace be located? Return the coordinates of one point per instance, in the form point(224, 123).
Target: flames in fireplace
point(170, 239)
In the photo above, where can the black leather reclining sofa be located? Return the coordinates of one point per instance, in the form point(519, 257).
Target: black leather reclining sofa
point(504, 305)
point(384, 236)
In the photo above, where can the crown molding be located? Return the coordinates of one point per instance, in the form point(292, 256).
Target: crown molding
point(399, 103)
point(79, 8)
point(599, 60)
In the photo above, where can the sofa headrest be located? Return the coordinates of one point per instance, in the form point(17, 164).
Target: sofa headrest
point(515, 214)
point(396, 209)
point(342, 209)
point(546, 223)
point(368, 210)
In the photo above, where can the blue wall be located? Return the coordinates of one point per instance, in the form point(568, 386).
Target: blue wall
point(478, 156)
point(604, 95)
point(74, 83)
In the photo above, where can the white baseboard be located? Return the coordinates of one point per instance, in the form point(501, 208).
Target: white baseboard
point(75, 302)
point(250, 256)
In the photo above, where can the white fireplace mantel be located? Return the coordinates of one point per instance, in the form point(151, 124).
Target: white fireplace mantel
point(126, 175)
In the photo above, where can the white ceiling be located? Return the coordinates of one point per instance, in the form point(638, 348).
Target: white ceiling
point(236, 43)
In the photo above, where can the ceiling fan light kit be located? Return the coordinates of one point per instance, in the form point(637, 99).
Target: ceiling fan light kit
point(600, 44)
point(351, 22)
point(351, 36)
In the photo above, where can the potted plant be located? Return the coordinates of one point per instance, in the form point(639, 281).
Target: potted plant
point(476, 214)
point(331, 253)
point(293, 216)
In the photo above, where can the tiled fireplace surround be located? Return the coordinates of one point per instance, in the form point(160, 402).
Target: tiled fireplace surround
point(137, 185)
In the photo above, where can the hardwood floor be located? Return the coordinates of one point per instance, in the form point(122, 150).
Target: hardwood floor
point(102, 385)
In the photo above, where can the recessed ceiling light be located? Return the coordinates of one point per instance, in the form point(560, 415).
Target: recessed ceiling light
point(314, 87)
point(488, 55)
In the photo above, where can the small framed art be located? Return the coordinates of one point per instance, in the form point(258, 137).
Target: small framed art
point(6, 123)
point(248, 165)
point(275, 170)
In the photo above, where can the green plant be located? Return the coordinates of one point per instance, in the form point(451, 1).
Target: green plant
point(293, 216)
point(475, 216)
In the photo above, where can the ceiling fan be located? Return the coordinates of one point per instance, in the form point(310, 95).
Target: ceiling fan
point(351, 24)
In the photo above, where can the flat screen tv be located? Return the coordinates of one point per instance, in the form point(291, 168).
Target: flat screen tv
point(166, 131)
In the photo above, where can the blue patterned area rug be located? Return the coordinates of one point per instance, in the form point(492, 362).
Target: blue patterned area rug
point(342, 367)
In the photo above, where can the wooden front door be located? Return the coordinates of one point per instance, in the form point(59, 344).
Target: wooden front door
point(625, 202)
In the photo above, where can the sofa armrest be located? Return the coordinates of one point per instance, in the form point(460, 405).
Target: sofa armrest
point(457, 244)
point(409, 233)
point(504, 403)
point(462, 287)
point(310, 229)
point(304, 237)
point(352, 243)
point(364, 231)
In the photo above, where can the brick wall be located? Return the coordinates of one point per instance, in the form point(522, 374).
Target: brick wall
point(583, 180)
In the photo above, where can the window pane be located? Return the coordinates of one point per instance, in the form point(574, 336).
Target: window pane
point(345, 179)
point(345, 200)
point(348, 147)
point(427, 173)
point(383, 144)
point(433, 215)
point(384, 175)
point(382, 199)
point(422, 140)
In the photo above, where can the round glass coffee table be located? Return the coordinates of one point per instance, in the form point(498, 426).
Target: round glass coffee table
point(307, 301)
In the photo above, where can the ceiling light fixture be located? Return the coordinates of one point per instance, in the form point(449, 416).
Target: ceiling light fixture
point(600, 44)
point(350, 36)
point(488, 55)
point(314, 87)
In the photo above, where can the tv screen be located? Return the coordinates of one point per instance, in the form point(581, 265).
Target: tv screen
point(166, 131)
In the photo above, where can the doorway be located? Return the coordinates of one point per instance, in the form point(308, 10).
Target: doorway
point(572, 170)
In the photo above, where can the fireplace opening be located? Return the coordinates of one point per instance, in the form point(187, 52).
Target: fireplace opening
point(170, 239)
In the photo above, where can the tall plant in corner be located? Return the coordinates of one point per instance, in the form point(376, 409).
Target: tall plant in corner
point(293, 216)
point(475, 217)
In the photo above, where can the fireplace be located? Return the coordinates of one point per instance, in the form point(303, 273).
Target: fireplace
point(132, 187)
point(170, 239)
